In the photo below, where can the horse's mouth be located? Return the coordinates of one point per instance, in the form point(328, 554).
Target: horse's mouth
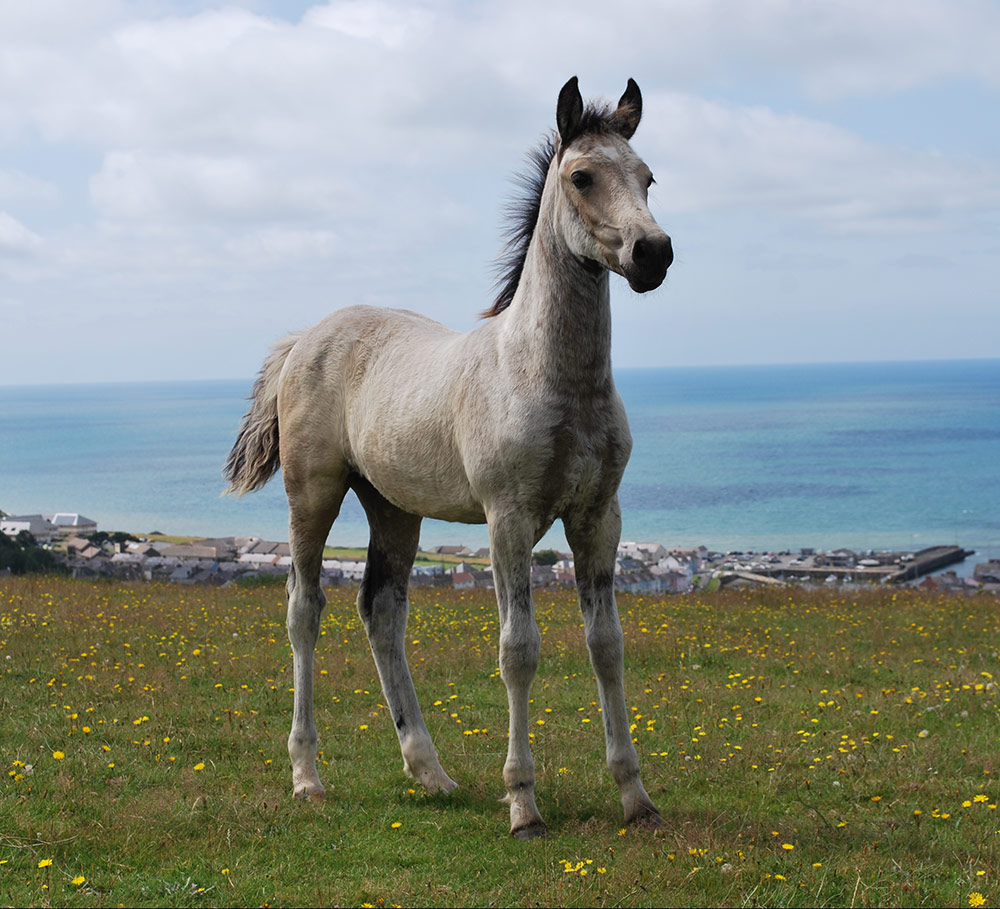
point(644, 285)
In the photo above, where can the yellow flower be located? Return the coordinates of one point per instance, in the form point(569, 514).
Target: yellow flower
point(980, 798)
point(44, 863)
point(396, 824)
point(58, 755)
point(976, 898)
point(787, 846)
point(199, 766)
point(79, 879)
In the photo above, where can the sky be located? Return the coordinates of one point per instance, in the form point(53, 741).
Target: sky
point(184, 182)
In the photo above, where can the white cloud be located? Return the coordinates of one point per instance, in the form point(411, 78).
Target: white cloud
point(717, 157)
point(280, 245)
point(153, 186)
point(16, 185)
point(16, 240)
point(391, 25)
point(365, 145)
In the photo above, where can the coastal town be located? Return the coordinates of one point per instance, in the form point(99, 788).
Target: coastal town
point(80, 548)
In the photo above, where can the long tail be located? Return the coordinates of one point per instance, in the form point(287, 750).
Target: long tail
point(254, 458)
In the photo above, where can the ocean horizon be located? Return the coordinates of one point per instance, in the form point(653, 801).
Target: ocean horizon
point(896, 455)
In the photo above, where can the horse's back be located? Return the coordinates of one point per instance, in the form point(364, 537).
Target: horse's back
point(377, 392)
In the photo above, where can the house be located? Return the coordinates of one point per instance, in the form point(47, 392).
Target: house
point(266, 547)
point(542, 576)
point(641, 552)
point(451, 550)
point(70, 524)
point(202, 550)
point(258, 559)
point(462, 580)
point(987, 572)
point(350, 569)
point(39, 526)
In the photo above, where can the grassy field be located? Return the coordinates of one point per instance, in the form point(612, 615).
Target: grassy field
point(819, 748)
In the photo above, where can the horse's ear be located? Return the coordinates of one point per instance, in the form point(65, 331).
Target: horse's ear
point(569, 111)
point(629, 110)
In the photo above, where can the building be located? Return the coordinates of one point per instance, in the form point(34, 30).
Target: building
point(39, 526)
point(71, 524)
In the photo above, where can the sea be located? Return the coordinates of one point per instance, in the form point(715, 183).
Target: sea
point(867, 456)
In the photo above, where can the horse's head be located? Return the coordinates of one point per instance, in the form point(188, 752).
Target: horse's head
point(602, 211)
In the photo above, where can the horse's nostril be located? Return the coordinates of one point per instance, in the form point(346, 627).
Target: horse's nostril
point(639, 251)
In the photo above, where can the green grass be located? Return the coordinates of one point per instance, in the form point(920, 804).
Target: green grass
point(861, 730)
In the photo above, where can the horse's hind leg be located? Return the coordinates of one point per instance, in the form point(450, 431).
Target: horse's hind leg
point(312, 507)
point(383, 605)
point(594, 540)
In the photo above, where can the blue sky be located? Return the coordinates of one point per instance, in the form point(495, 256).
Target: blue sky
point(181, 183)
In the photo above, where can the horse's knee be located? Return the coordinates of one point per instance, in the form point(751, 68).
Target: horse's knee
point(303, 616)
point(519, 654)
point(607, 649)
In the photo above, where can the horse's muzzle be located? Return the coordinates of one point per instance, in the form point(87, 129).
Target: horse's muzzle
point(651, 257)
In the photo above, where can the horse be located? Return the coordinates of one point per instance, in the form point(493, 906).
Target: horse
point(515, 424)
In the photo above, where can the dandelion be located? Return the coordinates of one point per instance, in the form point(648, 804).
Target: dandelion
point(976, 898)
point(980, 798)
point(396, 824)
point(788, 847)
point(58, 755)
point(45, 863)
point(199, 766)
point(78, 880)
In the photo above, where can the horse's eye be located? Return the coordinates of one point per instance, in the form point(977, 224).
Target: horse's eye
point(581, 179)
point(651, 181)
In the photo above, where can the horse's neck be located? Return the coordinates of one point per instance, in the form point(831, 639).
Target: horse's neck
point(558, 328)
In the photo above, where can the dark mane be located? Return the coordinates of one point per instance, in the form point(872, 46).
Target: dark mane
point(522, 211)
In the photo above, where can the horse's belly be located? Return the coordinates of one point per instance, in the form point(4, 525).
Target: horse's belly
point(426, 487)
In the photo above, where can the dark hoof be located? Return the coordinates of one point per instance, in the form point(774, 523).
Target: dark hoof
point(536, 831)
point(648, 820)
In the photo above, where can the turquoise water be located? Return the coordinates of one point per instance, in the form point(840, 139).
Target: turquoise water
point(868, 456)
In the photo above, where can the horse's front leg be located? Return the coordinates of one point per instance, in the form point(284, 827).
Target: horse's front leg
point(520, 645)
point(594, 540)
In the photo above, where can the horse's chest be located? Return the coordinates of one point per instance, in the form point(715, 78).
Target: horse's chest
point(581, 468)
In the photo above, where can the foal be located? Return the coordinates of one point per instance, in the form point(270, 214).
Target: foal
point(516, 423)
